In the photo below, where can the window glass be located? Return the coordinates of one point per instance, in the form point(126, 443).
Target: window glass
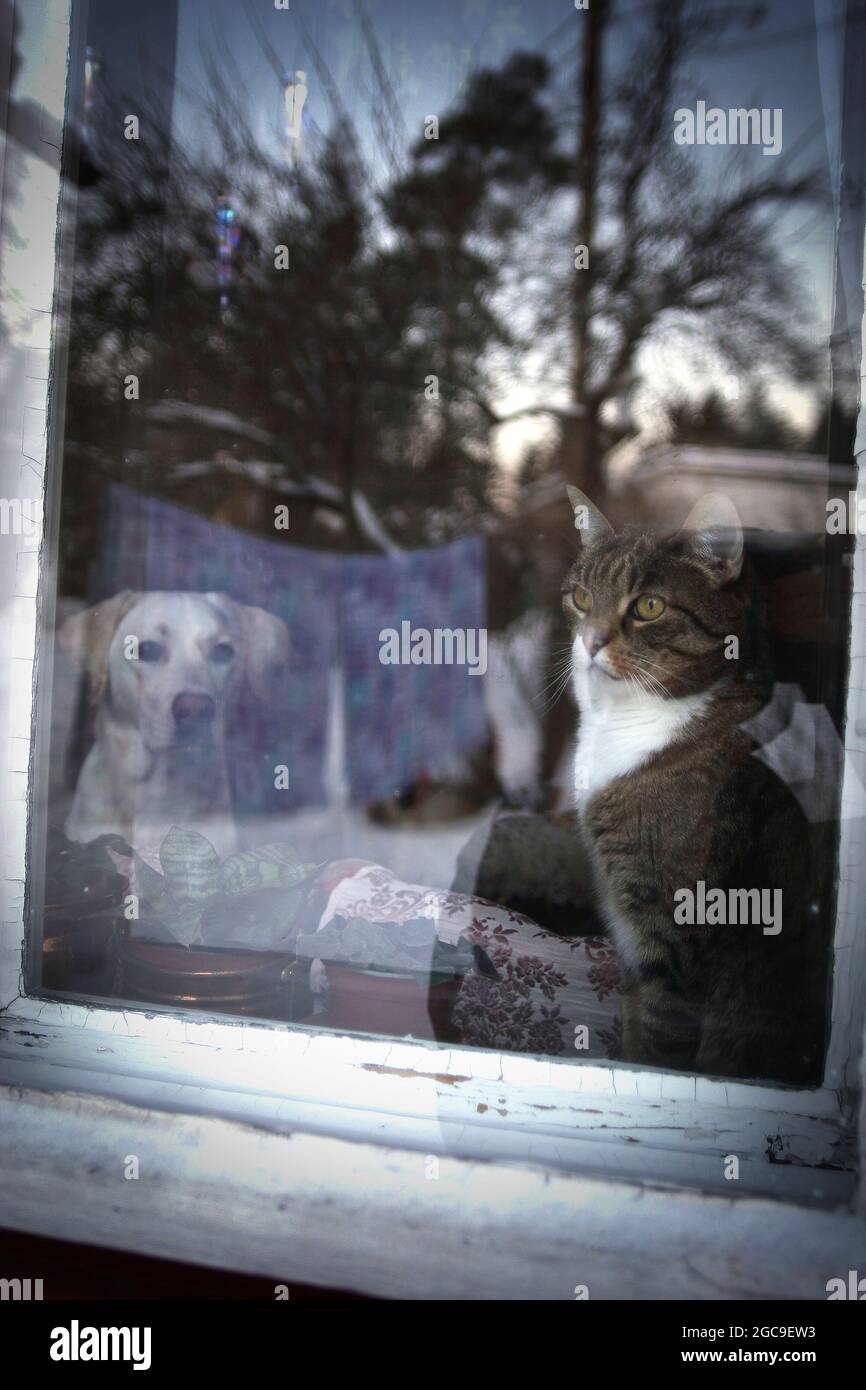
point(450, 501)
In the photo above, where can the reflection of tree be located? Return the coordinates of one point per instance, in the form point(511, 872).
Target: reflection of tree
point(300, 354)
point(377, 359)
point(833, 434)
point(669, 249)
point(366, 357)
point(752, 424)
point(461, 213)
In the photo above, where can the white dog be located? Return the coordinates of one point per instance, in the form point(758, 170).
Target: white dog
point(165, 671)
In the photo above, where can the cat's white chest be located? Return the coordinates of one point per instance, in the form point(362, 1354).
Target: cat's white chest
point(621, 728)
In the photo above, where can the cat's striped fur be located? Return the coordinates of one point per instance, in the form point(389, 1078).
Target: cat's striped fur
point(670, 795)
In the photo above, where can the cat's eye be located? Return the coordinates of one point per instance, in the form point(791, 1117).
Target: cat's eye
point(582, 599)
point(648, 606)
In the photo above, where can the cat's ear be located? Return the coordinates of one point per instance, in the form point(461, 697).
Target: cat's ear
point(713, 534)
point(588, 520)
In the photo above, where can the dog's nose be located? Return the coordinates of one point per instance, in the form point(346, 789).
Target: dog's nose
point(192, 711)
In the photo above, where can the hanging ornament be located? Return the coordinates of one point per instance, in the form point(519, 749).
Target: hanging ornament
point(228, 236)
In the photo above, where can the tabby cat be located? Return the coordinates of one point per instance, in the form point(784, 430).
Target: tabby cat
point(668, 665)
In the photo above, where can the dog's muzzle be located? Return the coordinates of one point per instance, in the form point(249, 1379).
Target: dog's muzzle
point(193, 715)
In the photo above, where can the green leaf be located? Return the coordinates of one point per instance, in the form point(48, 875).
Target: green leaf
point(190, 864)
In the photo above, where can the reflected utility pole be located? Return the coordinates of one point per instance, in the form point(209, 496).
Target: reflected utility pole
point(580, 443)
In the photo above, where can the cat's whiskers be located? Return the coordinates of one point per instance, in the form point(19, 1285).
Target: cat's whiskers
point(653, 686)
point(647, 661)
point(547, 698)
point(559, 679)
point(653, 681)
point(645, 682)
point(560, 669)
point(563, 681)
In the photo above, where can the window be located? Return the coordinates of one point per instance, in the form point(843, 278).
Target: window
point(340, 314)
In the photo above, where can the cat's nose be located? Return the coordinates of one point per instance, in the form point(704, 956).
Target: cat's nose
point(595, 640)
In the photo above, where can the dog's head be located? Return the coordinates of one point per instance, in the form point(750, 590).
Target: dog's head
point(173, 664)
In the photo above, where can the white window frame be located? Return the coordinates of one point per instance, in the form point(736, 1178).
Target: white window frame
point(284, 1151)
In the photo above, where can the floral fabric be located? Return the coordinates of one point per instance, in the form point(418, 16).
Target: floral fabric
point(549, 988)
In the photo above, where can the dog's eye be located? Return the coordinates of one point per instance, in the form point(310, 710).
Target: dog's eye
point(150, 651)
point(222, 653)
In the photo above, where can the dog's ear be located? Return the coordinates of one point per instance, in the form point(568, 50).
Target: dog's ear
point(266, 650)
point(265, 643)
point(86, 638)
